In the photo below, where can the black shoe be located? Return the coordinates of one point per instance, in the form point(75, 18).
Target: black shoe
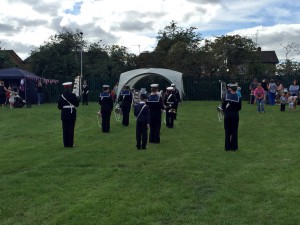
point(144, 148)
point(138, 148)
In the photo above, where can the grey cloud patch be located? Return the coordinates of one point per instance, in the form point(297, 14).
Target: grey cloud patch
point(89, 30)
point(133, 26)
point(97, 33)
point(55, 23)
point(10, 30)
point(133, 15)
point(32, 23)
point(201, 10)
point(50, 9)
point(7, 29)
point(22, 50)
point(40, 6)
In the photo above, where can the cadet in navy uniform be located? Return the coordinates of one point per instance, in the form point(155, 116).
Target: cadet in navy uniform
point(156, 106)
point(67, 103)
point(125, 101)
point(178, 99)
point(231, 105)
point(106, 102)
point(85, 93)
point(142, 113)
point(170, 103)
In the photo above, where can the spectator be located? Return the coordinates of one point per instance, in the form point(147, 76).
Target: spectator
point(2, 93)
point(272, 92)
point(252, 87)
point(8, 95)
point(264, 85)
point(114, 92)
point(283, 101)
point(239, 90)
point(292, 102)
point(259, 94)
point(39, 92)
point(85, 93)
point(279, 91)
point(294, 91)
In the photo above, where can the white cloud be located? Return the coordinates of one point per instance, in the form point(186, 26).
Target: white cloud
point(136, 22)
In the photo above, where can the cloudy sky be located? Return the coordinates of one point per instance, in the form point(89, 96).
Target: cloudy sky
point(26, 24)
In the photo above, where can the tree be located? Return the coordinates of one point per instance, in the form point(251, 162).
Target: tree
point(59, 58)
point(229, 50)
point(177, 47)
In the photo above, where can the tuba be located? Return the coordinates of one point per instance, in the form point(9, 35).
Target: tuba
point(77, 86)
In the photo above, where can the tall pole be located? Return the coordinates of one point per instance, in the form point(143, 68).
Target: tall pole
point(81, 48)
point(81, 54)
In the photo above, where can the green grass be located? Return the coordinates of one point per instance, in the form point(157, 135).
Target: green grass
point(187, 179)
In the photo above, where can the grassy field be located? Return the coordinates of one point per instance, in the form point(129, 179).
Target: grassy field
point(187, 179)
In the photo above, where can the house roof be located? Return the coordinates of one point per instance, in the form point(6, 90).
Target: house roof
point(268, 57)
point(15, 59)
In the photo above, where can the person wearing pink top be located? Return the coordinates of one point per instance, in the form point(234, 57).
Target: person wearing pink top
point(259, 98)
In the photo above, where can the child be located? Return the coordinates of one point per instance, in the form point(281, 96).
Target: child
point(291, 102)
point(142, 113)
point(7, 95)
point(12, 98)
point(283, 100)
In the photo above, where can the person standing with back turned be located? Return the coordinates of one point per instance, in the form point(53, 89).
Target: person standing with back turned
point(106, 102)
point(125, 101)
point(156, 106)
point(67, 103)
point(231, 105)
point(142, 113)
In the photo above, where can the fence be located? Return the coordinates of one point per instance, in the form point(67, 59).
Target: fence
point(195, 88)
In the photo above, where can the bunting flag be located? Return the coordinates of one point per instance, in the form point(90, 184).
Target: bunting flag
point(44, 80)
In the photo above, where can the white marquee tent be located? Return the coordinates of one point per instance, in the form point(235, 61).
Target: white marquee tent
point(133, 76)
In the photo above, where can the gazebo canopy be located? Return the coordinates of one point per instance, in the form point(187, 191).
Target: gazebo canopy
point(133, 76)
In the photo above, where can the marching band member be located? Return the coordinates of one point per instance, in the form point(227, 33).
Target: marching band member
point(231, 106)
point(85, 93)
point(142, 113)
point(156, 106)
point(106, 102)
point(178, 99)
point(125, 101)
point(170, 103)
point(67, 103)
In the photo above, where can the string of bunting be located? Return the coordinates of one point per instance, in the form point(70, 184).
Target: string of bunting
point(44, 80)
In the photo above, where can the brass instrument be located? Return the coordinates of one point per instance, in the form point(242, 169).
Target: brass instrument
point(220, 111)
point(118, 112)
point(77, 86)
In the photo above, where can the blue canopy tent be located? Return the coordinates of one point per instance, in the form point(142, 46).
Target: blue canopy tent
point(13, 77)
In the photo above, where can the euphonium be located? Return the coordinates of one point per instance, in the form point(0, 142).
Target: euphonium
point(77, 86)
